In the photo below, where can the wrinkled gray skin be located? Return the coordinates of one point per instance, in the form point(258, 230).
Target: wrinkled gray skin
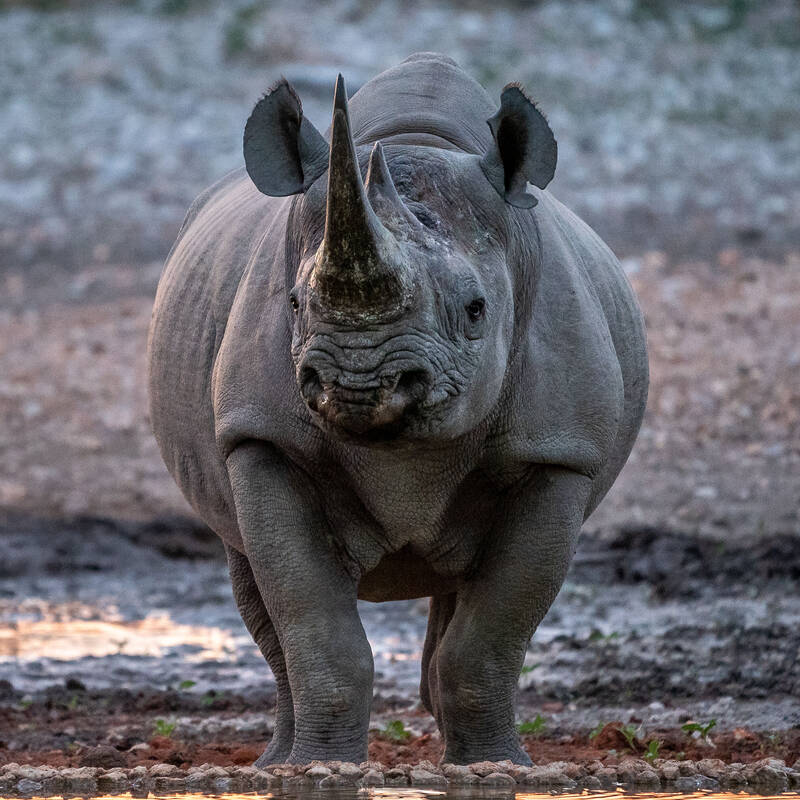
point(425, 396)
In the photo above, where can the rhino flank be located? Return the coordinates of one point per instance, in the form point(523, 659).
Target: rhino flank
point(385, 364)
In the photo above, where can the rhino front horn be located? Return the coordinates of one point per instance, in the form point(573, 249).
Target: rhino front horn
point(359, 272)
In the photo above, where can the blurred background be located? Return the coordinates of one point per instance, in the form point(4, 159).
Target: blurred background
point(678, 126)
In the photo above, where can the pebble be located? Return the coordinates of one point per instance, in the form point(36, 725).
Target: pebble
point(423, 777)
point(166, 771)
point(318, 772)
point(349, 771)
point(372, 777)
point(27, 786)
point(395, 777)
point(498, 779)
point(163, 785)
point(607, 777)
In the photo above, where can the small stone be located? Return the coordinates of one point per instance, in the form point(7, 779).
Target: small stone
point(459, 774)
point(607, 777)
point(164, 785)
point(264, 781)
point(197, 781)
point(768, 778)
point(732, 779)
point(350, 771)
point(165, 771)
point(372, 777)
point(670, 770)
point(142, 772)
point(395, 777)
point(687, 768)
point(483, 768)
point(318, 772)
point(549, 775)
point(626, 772)
point(711, 767)
point(364, 766)
point(591, 782)
point(687, 783)
point(648, 778)
point(112, 782)
point(222, 785)
point(573, 771)
point(27, 786)
point(105, 756)
point(80, 780)
point(423, 777)
point(334, 781)
point(498, 779)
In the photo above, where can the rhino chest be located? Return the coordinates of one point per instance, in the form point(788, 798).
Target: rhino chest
point(435, 513)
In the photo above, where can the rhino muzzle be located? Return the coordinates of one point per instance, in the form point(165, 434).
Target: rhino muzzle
point(375, 408)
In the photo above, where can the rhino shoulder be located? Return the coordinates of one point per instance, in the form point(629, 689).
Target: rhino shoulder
point(572, 396)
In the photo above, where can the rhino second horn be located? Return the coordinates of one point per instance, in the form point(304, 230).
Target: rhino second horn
point(359, 272)
point(382, 193)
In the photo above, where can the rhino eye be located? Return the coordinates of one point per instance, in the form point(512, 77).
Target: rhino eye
point(476, 309)
point(293, 302)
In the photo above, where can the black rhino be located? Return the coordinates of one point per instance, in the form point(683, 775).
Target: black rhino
point(380, 367)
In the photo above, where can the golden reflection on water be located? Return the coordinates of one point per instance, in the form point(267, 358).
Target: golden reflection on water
point(70, 639)
point(390, 793)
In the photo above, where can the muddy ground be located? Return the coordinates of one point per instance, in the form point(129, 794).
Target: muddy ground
point(119, 639)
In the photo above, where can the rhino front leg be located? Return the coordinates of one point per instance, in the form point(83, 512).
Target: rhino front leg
point(480, 656)
point(257, 621)
point(310, 596)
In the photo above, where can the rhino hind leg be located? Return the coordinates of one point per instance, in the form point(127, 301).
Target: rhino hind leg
point(257, 621)
point(439, 616)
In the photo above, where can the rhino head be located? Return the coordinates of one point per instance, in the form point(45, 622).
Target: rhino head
point(401, 265)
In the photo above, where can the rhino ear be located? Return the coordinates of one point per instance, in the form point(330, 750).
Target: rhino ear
point(524, 150)
point(283, 152)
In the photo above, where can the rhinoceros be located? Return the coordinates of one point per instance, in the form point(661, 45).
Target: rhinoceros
point(384, 364)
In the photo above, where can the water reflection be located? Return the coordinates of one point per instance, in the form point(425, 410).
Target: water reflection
point(71, 639)
point(454, 793)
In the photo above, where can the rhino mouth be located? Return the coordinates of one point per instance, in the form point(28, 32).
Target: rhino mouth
point(374, 411)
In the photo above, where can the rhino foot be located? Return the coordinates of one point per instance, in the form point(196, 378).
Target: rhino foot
point(277, 752)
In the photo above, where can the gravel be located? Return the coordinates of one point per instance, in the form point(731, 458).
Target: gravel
point(766, 776)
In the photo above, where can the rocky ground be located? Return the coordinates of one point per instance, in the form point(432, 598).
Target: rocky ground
point(119, 641)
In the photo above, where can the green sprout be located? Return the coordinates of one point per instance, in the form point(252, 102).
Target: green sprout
point(651, 754)
point(396, 731)
point(532, 728)
point(184, 685)
point(629, 732)
point(699, 727)
point(163, 728)
point(595, 732)
point(209, 698)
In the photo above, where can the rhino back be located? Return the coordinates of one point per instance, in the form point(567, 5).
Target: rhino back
point(218, 240)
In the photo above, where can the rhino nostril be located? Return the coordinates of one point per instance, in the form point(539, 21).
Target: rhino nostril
point(414, 384)
point(310, 386)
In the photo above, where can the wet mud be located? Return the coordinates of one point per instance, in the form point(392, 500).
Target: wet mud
point(121, 647)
